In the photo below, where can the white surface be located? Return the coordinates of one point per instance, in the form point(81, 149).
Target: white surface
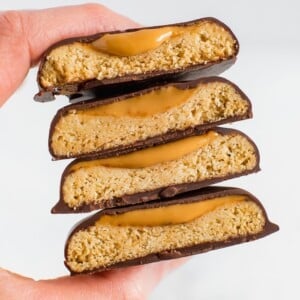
point(267, 70)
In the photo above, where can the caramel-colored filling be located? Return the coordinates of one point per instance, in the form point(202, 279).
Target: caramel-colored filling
point(227, 155)
point(136, 42)
point(104, 245)
point(152, 156)
point(86, 130)
point(154, 102)
point(198, 43)
point(168, 215)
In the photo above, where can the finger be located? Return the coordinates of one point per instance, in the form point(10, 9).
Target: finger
point(25, 35)
point(14, 286)
point(45, 27)
point(142, 280)
point(130, 283)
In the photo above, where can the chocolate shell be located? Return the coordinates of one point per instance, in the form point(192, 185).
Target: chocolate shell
point(213, 101)
point(114, 86)
point(241, 160)
point(259, 220)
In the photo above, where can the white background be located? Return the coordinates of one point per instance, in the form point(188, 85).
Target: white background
point(267, 70)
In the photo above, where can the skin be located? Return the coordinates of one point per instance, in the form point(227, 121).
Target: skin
point(36, 31)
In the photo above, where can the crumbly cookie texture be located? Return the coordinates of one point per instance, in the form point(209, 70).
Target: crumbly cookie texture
point(80, 61)
point(77, 132)
point(101, 246)
point(227, 154)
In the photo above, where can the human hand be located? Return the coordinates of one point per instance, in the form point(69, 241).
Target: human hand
point(24, 36)
point(134, 283)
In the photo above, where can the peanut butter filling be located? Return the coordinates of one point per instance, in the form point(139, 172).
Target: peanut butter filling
point(139, 117)
point(152, 156)
point(136, 42)
point(167, 49)
point(154, 102)
point(103, 245)
point(168, 215)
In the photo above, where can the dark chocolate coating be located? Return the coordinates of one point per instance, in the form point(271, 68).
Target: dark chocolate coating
point(116, 86)
point(160, 193)
point(189, 197)
point(152, 141)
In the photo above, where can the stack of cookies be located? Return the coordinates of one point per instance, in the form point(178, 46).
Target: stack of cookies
point(143, 130)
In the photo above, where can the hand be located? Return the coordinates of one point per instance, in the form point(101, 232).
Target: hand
point(134, 283)
point(24, 36)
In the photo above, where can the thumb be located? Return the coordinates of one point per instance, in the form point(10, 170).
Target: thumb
point(128, 283)
point(25, 35)
point(10, 283)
